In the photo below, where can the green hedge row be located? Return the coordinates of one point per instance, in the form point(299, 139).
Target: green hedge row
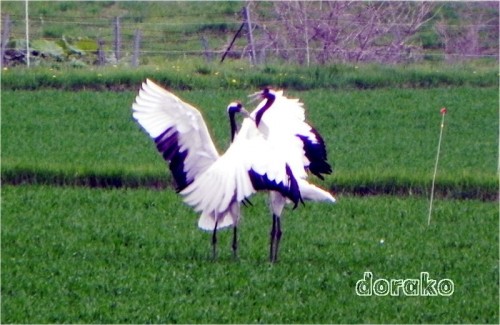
point(200, 75)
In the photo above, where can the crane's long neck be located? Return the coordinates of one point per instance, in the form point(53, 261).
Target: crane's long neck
point(269, 101)
point(232, 122)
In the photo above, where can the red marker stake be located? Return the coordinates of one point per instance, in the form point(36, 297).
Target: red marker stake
point(443, 113)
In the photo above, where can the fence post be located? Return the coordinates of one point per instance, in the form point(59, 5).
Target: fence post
point(5, 39)
point(101, 57)
point(137, 45)
point(206, 48)
point(118, 39)
point(246, 14)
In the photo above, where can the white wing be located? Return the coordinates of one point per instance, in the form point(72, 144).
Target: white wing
point(251, 163)
point(178, 130)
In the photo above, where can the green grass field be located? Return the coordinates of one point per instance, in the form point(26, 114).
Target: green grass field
point(382, 139)
point(93, 232)
point(77, 255)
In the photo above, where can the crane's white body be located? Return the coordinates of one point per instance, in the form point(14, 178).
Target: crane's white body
point(283, 124)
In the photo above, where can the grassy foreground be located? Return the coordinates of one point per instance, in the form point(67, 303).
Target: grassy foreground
point(79, 255)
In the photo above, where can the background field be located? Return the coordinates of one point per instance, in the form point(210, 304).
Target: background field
point(381, 140)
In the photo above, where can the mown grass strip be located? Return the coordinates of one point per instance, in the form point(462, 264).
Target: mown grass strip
point(23, 176)
point(485, 188)
point(196, 74)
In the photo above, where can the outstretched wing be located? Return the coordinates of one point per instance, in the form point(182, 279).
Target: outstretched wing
point(250, 164)
point(178, 129)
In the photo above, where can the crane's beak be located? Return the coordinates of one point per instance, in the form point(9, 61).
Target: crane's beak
point(244, 112)
point(255, 96)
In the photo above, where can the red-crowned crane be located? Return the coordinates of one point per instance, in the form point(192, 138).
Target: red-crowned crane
point(212, 184)
point(282, 122)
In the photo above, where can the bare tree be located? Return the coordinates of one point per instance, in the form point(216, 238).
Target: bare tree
point(345, 31)
point(473, 36)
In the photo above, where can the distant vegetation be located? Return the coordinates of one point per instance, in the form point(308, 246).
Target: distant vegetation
point(302, 33)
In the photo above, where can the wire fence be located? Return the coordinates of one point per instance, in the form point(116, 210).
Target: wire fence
point(310, 38)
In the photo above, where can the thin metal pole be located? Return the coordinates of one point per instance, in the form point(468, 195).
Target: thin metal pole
point(26, 16)
point(443, 113)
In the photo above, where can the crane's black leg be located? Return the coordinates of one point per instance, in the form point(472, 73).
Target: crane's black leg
point(235, 242)
point(214, 242)
point(275, 232)
point(278, 238)
point(271, 242)
point(276, 202)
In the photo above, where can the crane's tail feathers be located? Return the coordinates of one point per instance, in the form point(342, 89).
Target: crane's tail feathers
point(311, 192)
point(207, 222)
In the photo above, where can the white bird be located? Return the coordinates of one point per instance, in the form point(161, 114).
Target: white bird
point(212, 184)
point(282, 122)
